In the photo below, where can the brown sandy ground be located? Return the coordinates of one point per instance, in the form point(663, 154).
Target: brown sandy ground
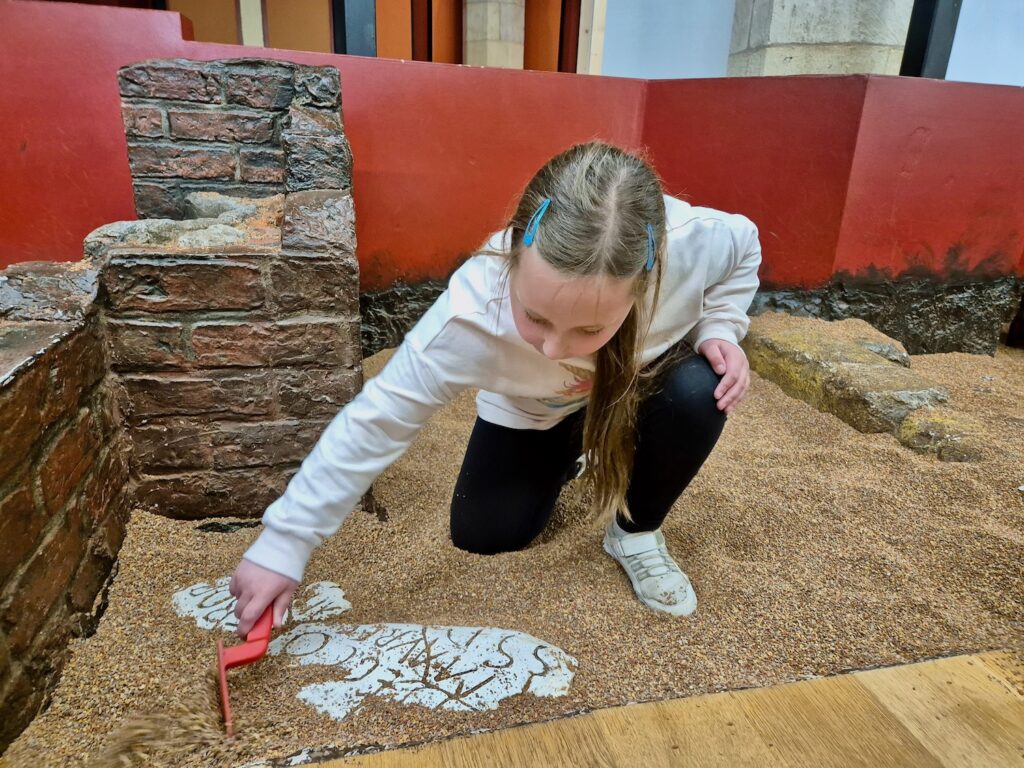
point(814, 550)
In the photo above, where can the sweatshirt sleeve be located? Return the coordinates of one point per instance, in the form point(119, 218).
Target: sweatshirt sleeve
point(730, 288)
point(367, 435)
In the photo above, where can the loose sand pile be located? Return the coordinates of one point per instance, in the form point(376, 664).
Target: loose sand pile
point(814, 549)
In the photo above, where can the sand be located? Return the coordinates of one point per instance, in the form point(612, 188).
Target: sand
point(814, 550)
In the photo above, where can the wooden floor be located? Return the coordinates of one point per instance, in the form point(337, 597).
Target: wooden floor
point(959, 711)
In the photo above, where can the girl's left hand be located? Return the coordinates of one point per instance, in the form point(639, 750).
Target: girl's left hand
point(728, 361)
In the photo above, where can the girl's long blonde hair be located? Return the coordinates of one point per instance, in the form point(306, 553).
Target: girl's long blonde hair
point(602, 199)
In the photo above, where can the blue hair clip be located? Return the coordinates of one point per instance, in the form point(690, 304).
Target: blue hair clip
point(650, 247)
point(534, 223)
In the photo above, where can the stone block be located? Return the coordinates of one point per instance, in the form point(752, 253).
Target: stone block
point(221, 125)
point(181, 285)
point(182, 161)
point(44, 582)
point(311, 121)
point(259, 85)
point(47, 291)
point(70, 456)
point(106, 481)
point(830, 366)
point(317, 394)
point(308, 340)
point(157, 200)
point(317, 87)
point(316, 162)
point(262, 165)
point(177, 443)
point(22, 401)
point(208, 394)
point(20, 700)
point(178, 80)
point(318, 285)
point(20, 526)
point(142, 121)
point(214, 493)
point(944, 433)
point(75, 365)
point(145, 345)
point(319, 220)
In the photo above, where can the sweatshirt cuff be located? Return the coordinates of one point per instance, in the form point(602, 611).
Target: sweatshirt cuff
point(281, 553)
point(723, 330)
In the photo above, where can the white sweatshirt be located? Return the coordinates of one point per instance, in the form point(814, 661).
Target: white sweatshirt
point(468, 339)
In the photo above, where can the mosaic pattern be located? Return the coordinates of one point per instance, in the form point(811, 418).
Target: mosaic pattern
point(463, 669)
point(213, 607)
point(456, 668)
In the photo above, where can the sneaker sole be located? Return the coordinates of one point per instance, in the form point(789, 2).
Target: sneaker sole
point(687, 607)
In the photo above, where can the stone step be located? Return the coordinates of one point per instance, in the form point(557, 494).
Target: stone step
point(849, 369)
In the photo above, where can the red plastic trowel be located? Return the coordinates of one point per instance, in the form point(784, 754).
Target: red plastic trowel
point(253, 649)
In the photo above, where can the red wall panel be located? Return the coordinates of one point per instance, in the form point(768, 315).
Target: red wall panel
point(776, 149)
point(937, 185)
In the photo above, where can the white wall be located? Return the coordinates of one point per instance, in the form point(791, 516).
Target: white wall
point(667, 38)
point(989, 43)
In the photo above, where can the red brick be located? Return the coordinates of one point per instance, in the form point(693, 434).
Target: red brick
point(319, 285)
point(145, 345)
point(76, 365)
point(262, 87)
point(107, 479)
point(181, 443)
point(142, 121)
point(95, 568)
point(181, 285)
point(305, 394)
point(216, 493)
point(180, 161)
point(220, 125)
point(45, 581)
point(157, 200)
point(20, 525)
point(324, 343)
point(22, 402)
point(69, 458)
point(322, 221)
point(182, 81)
point(263, 165)
point(211, 394)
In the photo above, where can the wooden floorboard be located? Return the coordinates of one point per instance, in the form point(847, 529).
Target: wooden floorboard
point(957, 712)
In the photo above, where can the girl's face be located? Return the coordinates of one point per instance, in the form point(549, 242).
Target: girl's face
point(561, 316)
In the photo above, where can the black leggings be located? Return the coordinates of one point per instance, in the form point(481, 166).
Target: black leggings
point(511, 478)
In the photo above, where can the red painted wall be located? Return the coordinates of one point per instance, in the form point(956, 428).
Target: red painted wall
point(938, 180)
point(776, 149)
point(827, 167)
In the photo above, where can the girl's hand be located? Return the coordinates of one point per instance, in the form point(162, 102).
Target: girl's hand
point(255, 587)
point(728, 361)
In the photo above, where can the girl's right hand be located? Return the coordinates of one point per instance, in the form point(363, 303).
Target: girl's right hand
point(255, 587)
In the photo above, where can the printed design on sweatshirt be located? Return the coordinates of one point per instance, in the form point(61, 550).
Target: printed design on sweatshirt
point(460, 669)
point(574, 390)
point(213, 607)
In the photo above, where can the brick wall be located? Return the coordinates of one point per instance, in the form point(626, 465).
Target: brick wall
point(185, 367)
point(64, 495)
point(235, 339)
point(243, 127)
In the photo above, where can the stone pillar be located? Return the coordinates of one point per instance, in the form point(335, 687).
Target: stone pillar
point(825, 37)
point(493, 33)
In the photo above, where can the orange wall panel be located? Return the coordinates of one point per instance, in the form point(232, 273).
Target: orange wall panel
point(447, 29)
point(394, 29)
point(213, 21)
point(542, 35)
point(299, 25)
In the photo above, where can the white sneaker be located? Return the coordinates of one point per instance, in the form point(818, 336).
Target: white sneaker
point(657, 580)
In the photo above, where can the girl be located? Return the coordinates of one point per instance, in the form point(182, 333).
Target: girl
point(578, 325)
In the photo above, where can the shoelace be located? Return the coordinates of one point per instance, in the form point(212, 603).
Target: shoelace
point(652, 563)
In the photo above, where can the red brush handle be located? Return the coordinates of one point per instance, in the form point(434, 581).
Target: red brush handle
point(253, 649)
point(255, 645)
